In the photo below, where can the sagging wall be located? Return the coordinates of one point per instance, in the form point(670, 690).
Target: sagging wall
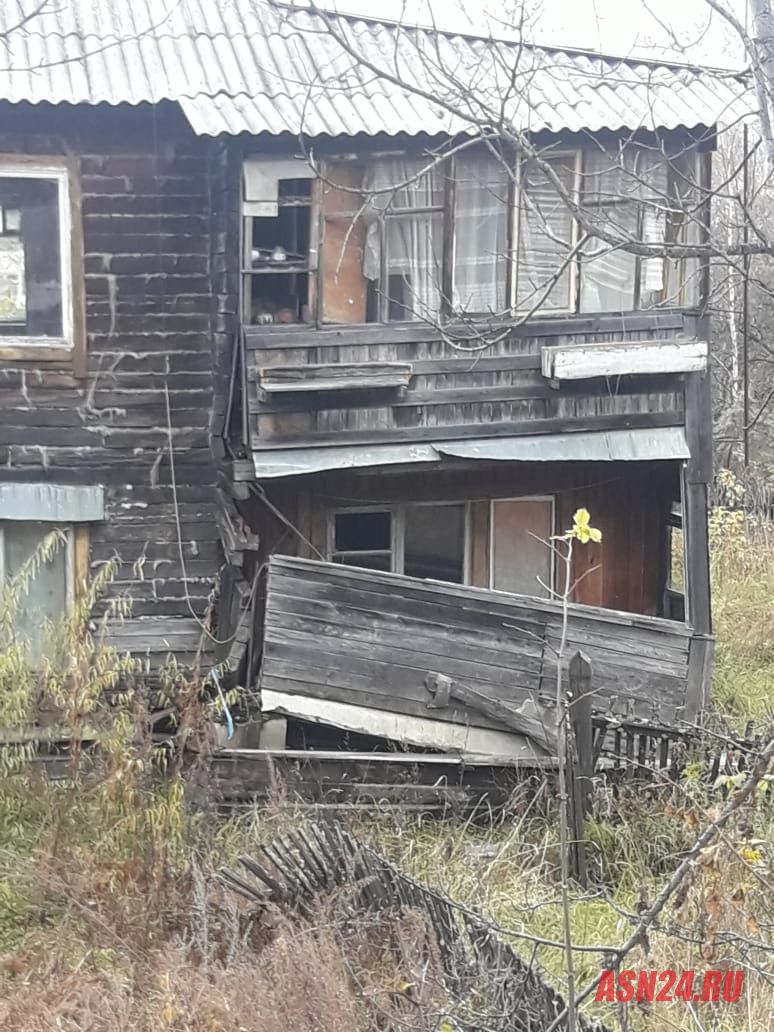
point(148, 303)
point(628, 502)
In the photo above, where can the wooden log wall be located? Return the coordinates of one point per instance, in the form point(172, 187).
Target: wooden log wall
point(454, 394)
point(370, 639)
point(146, 214)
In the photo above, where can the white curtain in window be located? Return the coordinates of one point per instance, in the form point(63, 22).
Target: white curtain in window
point(608, 279)
point(481, 188)
point(626, 193)
point(414, 243)
point(545, 238)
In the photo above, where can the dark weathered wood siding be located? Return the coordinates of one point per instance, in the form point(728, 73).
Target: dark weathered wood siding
point(629, 502)
point(149, 310)
point(452, 393)
point(357, 636)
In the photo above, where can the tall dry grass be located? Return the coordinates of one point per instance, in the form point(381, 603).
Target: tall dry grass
point(108, 920)
point(742, 555)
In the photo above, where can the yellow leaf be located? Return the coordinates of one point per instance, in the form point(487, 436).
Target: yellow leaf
point(750, 854)
point(581, 528)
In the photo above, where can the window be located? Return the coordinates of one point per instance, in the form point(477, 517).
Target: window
point(51, 591)
point(36, 295)
point(478, 235)
point(423, 540)
point(404, 242)
point(674, 592)
point(277, 244)
point(625, 195)
point(520, 561)
point(545, 277)
point(363, 539)
point(481, 202)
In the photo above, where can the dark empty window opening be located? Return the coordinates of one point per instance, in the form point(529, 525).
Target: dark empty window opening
point(434, 542)
point(32, 301)
point(363, 539)
point(427, 541)
point(278, 269)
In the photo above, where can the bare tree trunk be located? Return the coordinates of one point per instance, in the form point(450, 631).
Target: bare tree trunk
point(763, 42)
point(736, 374)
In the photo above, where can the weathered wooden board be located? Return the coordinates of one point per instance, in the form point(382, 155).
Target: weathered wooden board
point(453, 392)
point(614, 358)
point(473, 744)
point(361, 638)
point(334, 377)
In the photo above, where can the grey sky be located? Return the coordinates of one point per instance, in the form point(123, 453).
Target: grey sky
point(680, 29)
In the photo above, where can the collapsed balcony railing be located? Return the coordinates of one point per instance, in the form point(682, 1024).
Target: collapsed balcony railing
point(486, 983)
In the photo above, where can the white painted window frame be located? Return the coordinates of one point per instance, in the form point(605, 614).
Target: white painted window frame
point(552, 555)
point(61, 175)
point(397, 512)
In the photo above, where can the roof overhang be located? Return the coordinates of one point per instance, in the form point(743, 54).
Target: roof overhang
point(611, 446)
point(252, 66)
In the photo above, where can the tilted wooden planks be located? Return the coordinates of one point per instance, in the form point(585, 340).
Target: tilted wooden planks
point(371, 639)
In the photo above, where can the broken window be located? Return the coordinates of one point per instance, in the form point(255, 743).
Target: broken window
point(520, 560)
point(278, 238)
point(49, 591)
point(34, 255)
point(402, 238)
point(363, 538)
point(423, 540)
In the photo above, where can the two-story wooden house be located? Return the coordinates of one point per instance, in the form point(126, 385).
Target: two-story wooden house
point(326, 326)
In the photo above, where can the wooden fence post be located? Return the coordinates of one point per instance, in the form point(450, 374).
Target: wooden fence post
point(580, 759)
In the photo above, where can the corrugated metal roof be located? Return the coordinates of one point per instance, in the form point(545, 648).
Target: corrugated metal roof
point(247, 66)
point(611, 446)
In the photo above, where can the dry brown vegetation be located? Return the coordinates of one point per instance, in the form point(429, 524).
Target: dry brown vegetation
point(110, 919)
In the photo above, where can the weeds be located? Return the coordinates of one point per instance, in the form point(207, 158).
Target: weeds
point(742, 552)
point(109, 919)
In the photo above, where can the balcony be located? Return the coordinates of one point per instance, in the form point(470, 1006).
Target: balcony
point(366, 651)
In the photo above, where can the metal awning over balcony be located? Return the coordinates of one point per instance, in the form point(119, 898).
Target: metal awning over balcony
point(641, 444)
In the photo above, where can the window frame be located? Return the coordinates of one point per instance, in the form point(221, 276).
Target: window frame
point(449, 279)
point(576, 153)
point(446, 209)
point(552, 555)
point(70, 348)
point(72, 547)
point(397, 512)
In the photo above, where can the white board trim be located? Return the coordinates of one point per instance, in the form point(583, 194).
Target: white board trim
point(583, 361)
point(473, 743)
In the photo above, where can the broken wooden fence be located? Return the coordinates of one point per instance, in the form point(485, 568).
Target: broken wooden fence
point(490, 984)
